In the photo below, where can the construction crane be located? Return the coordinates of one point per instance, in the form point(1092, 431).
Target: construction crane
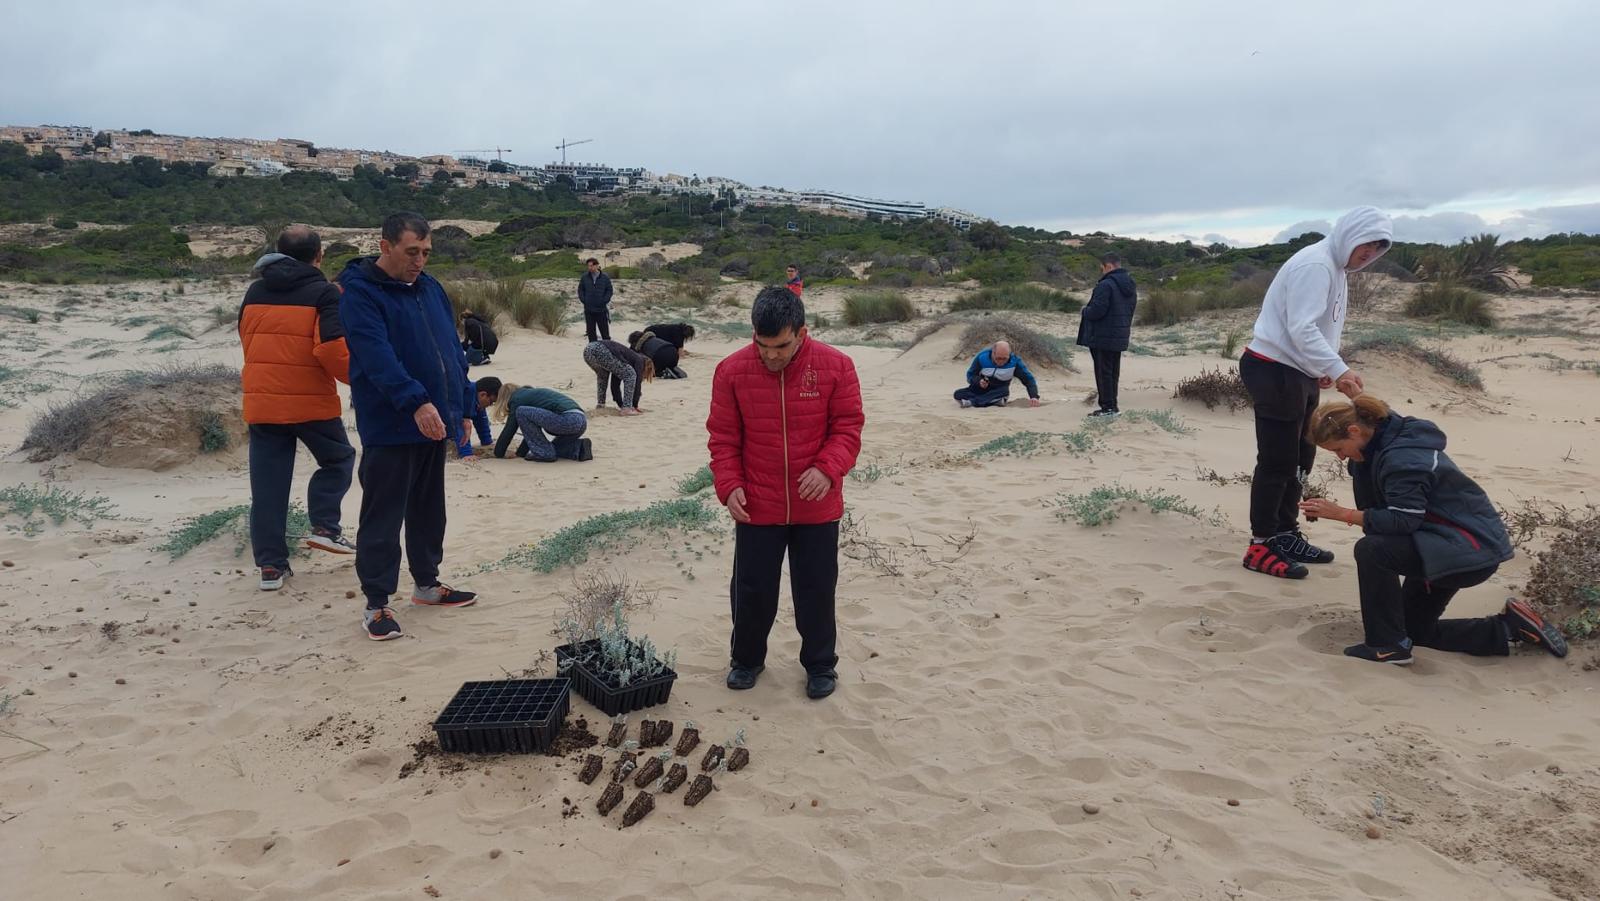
point(566, 143)
point(497, 151)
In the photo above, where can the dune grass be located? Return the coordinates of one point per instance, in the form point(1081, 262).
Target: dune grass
point(1446, 364)
point(1451, 303)
point(33, 504)
point(1018, 297)
point(868, 307)
point(1102, 504)
point(573, 544)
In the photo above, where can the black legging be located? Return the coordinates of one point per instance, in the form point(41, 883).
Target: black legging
point(1284, 400)
point(1398, 601)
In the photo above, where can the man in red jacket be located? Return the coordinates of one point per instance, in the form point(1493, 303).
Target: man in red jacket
point(785, 428)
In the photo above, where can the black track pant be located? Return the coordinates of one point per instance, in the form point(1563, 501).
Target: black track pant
point(1107, 373)
point(1284, 400)
point(600, 321)
point(1397, 601)
point(272, 449)
point(758, 553)
point(402, 484)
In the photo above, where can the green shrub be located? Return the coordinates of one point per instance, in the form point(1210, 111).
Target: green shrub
point(1164, 306)
point(234, 521)
point(35, 503)
point(1032, 346)
point(66, 224)
point(878, 306)
point(573, 544)
point(167, 331)
point(1102, 505)
point(1451, 303)
point(213, 433)
point(696, 482)
point(1017, 297)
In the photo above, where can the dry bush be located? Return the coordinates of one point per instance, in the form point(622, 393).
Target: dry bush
point(1363, 292)
point(1215, 387)
point(1032, 346)
point(67, 425)
point(1565, 579)
point(594, 599)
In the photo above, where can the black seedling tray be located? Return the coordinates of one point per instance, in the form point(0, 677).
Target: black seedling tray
point(592, 687)
point(520, 716)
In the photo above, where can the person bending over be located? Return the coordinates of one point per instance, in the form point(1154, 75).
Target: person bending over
point(477, 416)
point(989, 378)
point(1430, 531)
point(623, 369)
point(678, 334)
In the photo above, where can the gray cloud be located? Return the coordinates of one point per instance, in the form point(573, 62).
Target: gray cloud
point(1438, 228)
point(1321, 226)
point(1009, 109)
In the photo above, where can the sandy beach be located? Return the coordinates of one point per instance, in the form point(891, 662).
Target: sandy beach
point(1028, 707)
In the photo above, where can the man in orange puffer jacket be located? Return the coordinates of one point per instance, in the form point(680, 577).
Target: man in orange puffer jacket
point(785, 428)
point(293, 351)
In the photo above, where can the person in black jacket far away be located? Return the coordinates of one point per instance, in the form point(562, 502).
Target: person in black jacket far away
point(1430, 531)
point(594, 293)
point(1107, 322)
point(480, 341)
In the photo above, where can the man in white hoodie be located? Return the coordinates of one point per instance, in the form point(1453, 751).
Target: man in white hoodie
point(1293, 355)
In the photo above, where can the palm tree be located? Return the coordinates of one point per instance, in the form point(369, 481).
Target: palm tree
point(1478, 262)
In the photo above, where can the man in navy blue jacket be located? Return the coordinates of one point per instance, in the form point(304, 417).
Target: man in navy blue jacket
point(409, 389)
point(1105, 326)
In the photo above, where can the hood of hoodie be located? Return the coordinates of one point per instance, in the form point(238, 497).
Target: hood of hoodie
point(1355, 228)
point(1122, 280)
point(281, 272)
point(1406, 433)
point(367, 268)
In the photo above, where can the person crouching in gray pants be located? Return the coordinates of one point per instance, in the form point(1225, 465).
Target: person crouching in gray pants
point(533, 412)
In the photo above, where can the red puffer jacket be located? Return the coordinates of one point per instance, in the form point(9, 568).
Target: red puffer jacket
point(769, 427)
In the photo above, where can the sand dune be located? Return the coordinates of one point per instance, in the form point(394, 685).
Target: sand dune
point(1028, 708)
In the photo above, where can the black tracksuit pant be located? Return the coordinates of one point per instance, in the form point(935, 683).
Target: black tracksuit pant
point(1398, 601)
point(597, 319)
point(758, 553)
point(1107, 373)
point(1284, 399)
point(272, 450)
point(401, 484)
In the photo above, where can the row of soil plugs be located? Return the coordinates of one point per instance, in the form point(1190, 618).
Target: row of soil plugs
point(653, 734)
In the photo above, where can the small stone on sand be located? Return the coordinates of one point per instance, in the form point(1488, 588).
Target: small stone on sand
point(1374, 832)
point(1091, 809)
point(1233, 802)
point(494, 853)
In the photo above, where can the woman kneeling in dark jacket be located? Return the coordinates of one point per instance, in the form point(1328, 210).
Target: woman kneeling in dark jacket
point(660, 352)
point(1430, 532)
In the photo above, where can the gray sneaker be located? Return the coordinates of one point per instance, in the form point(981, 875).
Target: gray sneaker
point(332, 542)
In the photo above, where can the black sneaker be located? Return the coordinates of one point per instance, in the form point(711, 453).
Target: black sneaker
point(1524, 625)
point(1399, 655)
point(741, 678)
point(1294, 546)
point(1263, 558)
point(585, 450)
point(1099, 413)
point(381, 624)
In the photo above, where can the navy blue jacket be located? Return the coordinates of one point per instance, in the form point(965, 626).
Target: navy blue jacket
point(594, 293)
point(1107, 320)
point(480, 421)
point(403, 353)
point(1408, 486)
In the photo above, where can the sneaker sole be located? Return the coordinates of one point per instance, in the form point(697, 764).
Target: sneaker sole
point(419, 602)
point(330, 547)
point(1546, 635)
point(272, 586)
point(384, 637)
point(1288, 574)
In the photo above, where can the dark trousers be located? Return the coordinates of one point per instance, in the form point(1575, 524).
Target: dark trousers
point(985, 397)
point(400, 484)
point(813, 575)
point(597, 320)
point(1107, 372)
point(1284, 399)
point(1398, 601)
point(272, 449)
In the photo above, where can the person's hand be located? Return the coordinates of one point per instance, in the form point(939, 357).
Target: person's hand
point(1033, 401)
point(1323, 508)
point(1325, 382)
point(736, 506)
point(814, 485)
point(429, 423)
point(1349, 384)
point(983, 383)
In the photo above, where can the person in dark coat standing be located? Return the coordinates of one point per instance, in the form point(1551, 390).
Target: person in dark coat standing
point(594, 292)
point(1107, 322)
point(1430, 531)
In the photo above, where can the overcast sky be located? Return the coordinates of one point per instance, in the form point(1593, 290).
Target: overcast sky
point(1228, 121)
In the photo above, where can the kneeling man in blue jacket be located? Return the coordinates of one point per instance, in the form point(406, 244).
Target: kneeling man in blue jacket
point(409, 389)
point(989, 378)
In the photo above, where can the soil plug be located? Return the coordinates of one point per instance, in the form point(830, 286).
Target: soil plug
point(650, 771)
point(674, 778)
point(663, 733)
point(639, 809)
point(619, 732)
point(609, 798)
point(647, 733)
point(712, 758)
point(592, 765)
point(738, 760)
point(625, 765)
point(697, 792)
point(688, 740)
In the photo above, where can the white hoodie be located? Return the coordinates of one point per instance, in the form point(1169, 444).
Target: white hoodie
point(1302, 316)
